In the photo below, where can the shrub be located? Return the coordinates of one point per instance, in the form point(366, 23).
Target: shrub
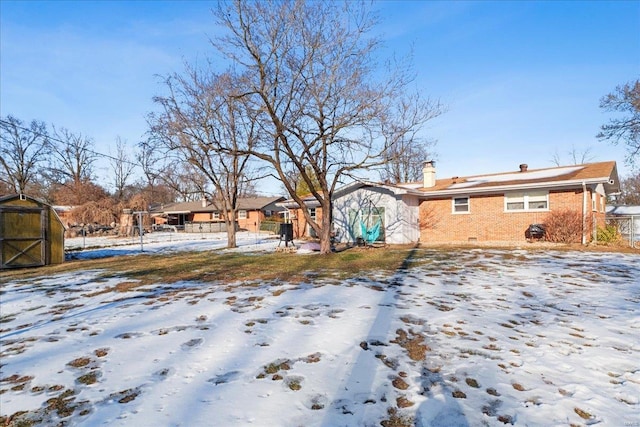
point(608, 234)
point(564, 226)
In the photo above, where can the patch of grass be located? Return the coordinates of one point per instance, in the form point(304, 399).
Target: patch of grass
point(397, 420)
point(225, 267)
point(414, 344)
point(294, 384)
point(472, 382)
point(62, 404)
point(583, 414)
point(79, 362)
point(399, 383)
point(88, 379)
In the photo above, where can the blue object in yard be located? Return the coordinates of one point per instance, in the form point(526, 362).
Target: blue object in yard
point(370, 235)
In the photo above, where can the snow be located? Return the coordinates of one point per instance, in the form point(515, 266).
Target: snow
point(163, 242)
point(516, 176)
point(623, 210)
point(527, 337)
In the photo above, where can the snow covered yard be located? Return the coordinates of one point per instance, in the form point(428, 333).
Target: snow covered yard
point(453, 338)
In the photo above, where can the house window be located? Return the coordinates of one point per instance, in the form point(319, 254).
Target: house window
point(460, 205)
point(215, 215)
point(532, 201)
point(242, 214)
point(312, 212)
point(594, 202)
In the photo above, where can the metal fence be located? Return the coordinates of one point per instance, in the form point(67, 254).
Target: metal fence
point(628, 226)
point(206, 227)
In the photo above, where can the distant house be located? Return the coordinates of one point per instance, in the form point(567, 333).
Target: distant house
point(205, 216)
point(31, 233)
point(496, 207)
point(293, 214)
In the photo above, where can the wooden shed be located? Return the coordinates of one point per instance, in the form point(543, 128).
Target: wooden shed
point(31, 233)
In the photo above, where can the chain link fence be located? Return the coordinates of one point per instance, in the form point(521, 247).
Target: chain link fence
point(628, 226)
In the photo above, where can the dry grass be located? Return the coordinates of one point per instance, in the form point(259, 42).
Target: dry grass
point(210, 266)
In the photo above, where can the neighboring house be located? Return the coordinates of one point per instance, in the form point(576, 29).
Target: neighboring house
point(483, 208)
point(204, 216)
point(31, 233)
point(64, 213)
point(293, 214)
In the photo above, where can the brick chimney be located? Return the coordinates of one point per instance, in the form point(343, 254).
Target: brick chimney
point(429, 173)
point(523, 167)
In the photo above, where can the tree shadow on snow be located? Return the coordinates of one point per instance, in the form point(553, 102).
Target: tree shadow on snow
point(375, 379)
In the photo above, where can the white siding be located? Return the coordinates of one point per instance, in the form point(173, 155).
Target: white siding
point(401, 214)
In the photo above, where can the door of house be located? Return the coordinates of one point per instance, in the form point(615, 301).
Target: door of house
point(22, 236)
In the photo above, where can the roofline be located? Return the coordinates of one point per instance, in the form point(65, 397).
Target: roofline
point(515, 187)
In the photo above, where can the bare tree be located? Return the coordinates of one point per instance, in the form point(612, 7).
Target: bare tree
point(625, 128)
point(317, 91)
point(409, 150)
point(576, 156)
point(630, 190)
point(23, 152)
point(74, 156)
point(122, 167)
point(207, 127)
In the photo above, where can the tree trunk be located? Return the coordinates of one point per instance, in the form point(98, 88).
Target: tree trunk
point(231, 229)
point(325, 229)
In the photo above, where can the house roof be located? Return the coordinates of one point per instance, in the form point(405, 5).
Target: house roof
point(629, 210)
point(247, 203)
point(563, 176)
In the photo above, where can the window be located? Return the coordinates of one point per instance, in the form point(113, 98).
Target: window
point(461, 205)
point(515, 202)
point(312, 212)
point(532, 201)
point(242, 214)
point(215, 215)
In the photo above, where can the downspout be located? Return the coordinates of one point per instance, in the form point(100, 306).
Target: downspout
point(584, 213)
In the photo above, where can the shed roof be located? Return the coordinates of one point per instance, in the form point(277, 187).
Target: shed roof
point(21, 198)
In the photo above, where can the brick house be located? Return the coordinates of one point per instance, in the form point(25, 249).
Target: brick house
point(293, 214)
point(496, 207)
point(204, 216)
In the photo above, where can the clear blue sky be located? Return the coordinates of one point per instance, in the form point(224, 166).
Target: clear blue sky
point(522, 80)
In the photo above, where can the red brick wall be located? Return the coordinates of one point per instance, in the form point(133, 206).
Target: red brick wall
point(300, 228)
point(487, 220)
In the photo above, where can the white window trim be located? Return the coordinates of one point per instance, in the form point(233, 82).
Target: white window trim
point(525, 196)
point(215, 215)
point(242, 214)
point(453, 205)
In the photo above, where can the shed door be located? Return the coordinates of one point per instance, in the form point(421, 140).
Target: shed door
point(22, 237)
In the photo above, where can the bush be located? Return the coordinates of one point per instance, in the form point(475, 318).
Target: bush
point(564, 226)
point(608, 234)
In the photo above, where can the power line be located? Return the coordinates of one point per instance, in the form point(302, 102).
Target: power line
point(6, 123)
